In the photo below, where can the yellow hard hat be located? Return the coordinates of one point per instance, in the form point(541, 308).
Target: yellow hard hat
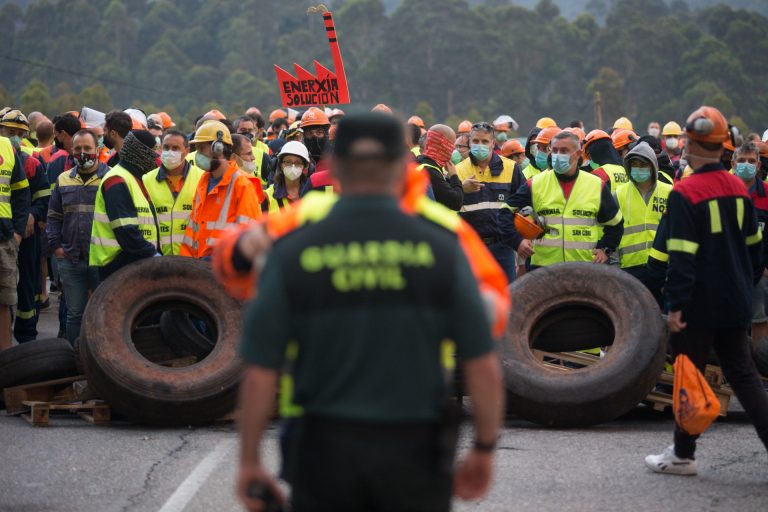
point(623, 123)
point(210, 131)
point(672, 129)
point(15, 119)
point(545, 122)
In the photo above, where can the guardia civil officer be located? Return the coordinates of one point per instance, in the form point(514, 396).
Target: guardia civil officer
point(366, 298)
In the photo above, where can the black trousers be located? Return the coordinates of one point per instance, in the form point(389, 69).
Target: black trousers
point(28, 290)
point(356, 466)
point(735, 356)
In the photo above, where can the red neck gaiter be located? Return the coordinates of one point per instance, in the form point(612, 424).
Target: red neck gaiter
point(438, 147)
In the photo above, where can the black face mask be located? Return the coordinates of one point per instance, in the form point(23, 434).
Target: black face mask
point(108, 142)
point(316, 146)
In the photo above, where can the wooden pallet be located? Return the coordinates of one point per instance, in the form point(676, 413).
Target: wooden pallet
point(34, 402)
point(658, 399)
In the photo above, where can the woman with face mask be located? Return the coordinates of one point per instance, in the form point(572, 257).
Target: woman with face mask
point(290, 175)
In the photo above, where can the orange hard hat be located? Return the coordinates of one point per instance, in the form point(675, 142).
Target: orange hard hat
point(382, 108)
point(595, 135)
point(527, 228)
point(545, 122)
point(622, 138)
point(314, 117)
point(166, 120)
point(578, 132)
point(762, 147)
point(417, 121)
point(545, 135)
point(707, 124)
point(464, 127)
point(277, 114)
point(729, 146)
point(216, 114)
point(512, 147)
point(335, 113)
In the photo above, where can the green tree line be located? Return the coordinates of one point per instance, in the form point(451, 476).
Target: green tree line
point(445, 60)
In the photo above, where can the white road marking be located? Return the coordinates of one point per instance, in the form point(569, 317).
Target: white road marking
point(189, 487)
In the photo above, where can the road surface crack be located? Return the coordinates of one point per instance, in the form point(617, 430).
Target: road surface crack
point(135, 499)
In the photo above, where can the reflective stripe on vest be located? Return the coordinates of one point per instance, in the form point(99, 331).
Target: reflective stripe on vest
point(7, 160)
point(172, 212)
point(530, 171)
point(572, 232)
point(104, 246)
point(274, 203)
point(640, 221)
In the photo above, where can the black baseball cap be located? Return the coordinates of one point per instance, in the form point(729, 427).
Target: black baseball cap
point(383, 128)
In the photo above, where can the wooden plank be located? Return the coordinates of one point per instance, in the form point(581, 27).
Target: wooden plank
point(59, 390)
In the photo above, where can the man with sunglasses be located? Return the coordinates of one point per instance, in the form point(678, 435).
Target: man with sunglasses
point(488, 180)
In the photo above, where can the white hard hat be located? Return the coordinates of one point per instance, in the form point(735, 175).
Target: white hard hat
point(137, 115)
point(92, 118)
point(505, 119)
point(765, 136)
point(295, 148)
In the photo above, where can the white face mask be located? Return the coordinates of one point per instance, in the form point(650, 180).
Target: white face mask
point(248, 166)
point(672, 142)
point(171, 159)
point(292, 172)
point(653, 132)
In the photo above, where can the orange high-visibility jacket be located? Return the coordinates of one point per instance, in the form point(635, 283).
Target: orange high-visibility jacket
point(230, 203)
point(492, 280)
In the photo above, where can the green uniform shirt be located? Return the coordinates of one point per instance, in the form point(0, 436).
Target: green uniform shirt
point(369, 294)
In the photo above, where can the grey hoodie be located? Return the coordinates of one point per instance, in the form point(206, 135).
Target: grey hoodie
point(644, 152)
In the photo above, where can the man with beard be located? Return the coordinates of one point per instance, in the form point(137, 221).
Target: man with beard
point(315, 125)
point(117, 124)
point(124, 223)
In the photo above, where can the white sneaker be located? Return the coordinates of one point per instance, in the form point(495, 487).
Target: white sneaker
point(670, 464)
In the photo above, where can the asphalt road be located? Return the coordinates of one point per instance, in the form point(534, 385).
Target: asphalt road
point(74, 466)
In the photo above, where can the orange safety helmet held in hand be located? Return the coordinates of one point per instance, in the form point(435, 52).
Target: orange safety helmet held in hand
point(545, 135)
point(527, 228)
point(512, 147)
point(622, 138)
point(707, 124)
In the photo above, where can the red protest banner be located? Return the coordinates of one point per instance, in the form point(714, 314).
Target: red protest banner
point(323, 88)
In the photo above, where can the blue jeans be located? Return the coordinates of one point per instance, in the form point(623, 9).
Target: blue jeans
point(504, 257)
point(77, 279)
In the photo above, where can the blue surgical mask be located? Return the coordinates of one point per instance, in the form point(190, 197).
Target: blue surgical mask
point(456, 157)
point(541, 160)
point(525, 163)
point(101, 143)
point(640, 174)
point(202, 161)
point(502, 137)
point(561, 164)
point(745, 170)
point(480, 151)
point(16, 141)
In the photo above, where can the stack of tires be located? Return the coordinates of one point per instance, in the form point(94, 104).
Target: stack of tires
point(152, 312)
point(573, 307)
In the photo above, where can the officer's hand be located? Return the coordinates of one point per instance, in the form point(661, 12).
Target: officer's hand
point(16, 238)
point(473, 477)
point(765, 272)
point(450, 168)
point(250, 476)
point(59, 253)
point(675, 321)
point(472, 185)
point(254, 243)
point(525, 249)
point(599, 256)
point(30, 229)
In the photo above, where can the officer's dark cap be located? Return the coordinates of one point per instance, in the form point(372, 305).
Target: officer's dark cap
point(383, 128)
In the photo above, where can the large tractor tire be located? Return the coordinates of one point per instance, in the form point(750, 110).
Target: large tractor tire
point(37, 361)
point(122, 345)
point(578, 306)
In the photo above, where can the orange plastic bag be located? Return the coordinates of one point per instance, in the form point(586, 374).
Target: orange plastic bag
point(694, 403)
